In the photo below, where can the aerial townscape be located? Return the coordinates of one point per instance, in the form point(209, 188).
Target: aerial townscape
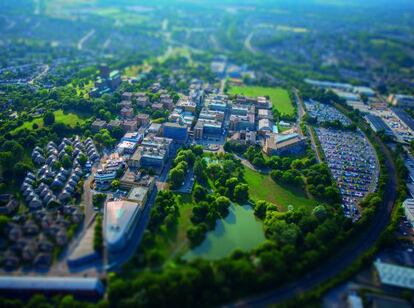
point(203, 153)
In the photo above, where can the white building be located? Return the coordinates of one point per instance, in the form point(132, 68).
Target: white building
point(409, 210)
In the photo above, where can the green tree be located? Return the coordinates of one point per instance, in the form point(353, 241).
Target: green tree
point(49, 118)
point(241, 193)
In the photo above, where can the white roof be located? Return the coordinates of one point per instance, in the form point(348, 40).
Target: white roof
point(395, 275)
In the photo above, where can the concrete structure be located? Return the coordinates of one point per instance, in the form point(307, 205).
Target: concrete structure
point(30, 285)
point(120, 220)
point(395, 275)
point(378, 125)
point(278, 144)
point(404, 101)
point(97, 125)
point(409, 210)
point(175, 131)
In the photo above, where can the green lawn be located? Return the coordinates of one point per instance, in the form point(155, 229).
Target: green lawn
point(262, 187)
point(67, 118)
point(174, 242)
point(279, 97)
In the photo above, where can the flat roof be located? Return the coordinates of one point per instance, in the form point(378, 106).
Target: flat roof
point(395, 275)
point(51, 283)
point(138, 194)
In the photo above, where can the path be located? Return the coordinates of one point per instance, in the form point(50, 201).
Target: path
point(41, 74)
point(86, 37)
point(248, 43)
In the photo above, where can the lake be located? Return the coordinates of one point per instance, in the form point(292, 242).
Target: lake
point(240, 230)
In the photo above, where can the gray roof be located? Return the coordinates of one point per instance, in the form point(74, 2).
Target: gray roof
point(51, 284)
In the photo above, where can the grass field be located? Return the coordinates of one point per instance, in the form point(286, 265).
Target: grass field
point(262, 187)
point(174, 242)
point(67, 118)
point(279, 97)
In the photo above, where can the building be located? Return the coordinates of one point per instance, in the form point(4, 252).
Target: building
point(127, 112)
point(152, 152)
point(132, 178)
point(246, 122)
point(404, 101)
point(143, 119)
point(187, 105)
point(8, 204)
point(395, 275)
point(265, 126)
point(114, 123)
point(264, 114)
point(404, 117)
point(208, 129)
point(175, 131)
point(81, 287)
point(97, 125)
point(120, 220)
point(278, 144)
point(139, 194)
point(129, 125)
point(409, 210)
point(378, 125)
point(155, 129)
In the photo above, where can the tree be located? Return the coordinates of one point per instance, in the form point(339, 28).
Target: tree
point(49, 118)
point(200, 193)
point(115, 184)
point(223, 204)
point(241, 193)
point(176, 177)
point(66, 161)
point(98, 235)
point(4, 220)
point(196, 234)
point(320, 212)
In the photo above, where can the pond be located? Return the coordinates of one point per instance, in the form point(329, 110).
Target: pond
point(240, 230)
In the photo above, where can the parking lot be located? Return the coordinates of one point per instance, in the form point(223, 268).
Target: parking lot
point(353, 164)
point(325, 113)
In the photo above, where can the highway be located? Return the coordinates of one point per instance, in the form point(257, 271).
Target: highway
point(344, 256)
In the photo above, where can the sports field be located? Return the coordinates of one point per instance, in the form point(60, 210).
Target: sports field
point(279, 96)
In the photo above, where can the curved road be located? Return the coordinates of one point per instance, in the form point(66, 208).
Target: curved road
point(345, 255)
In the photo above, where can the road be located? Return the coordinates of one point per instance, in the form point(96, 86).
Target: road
point(85, 38)
point(344, 256)
point(301, 113)
point(44, 71)
point(248, 43)
point(88, 199)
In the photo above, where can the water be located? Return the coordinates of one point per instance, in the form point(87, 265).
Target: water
point(240, 230)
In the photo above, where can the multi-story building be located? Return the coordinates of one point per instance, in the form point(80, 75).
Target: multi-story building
point(279, 144)
point(175, 131)
point(143, 119)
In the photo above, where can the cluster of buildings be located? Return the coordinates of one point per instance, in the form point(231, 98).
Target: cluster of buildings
point(52, 184)
point(353, 164)
point(152, 152)
point(106, 82)
point(251, 122)
point(325, 113)
point(32, 238)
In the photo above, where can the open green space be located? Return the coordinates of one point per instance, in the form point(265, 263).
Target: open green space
point(279, 96)
point(68, 118)
point(239, 230)
point(173, 242)
point(262, 187)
